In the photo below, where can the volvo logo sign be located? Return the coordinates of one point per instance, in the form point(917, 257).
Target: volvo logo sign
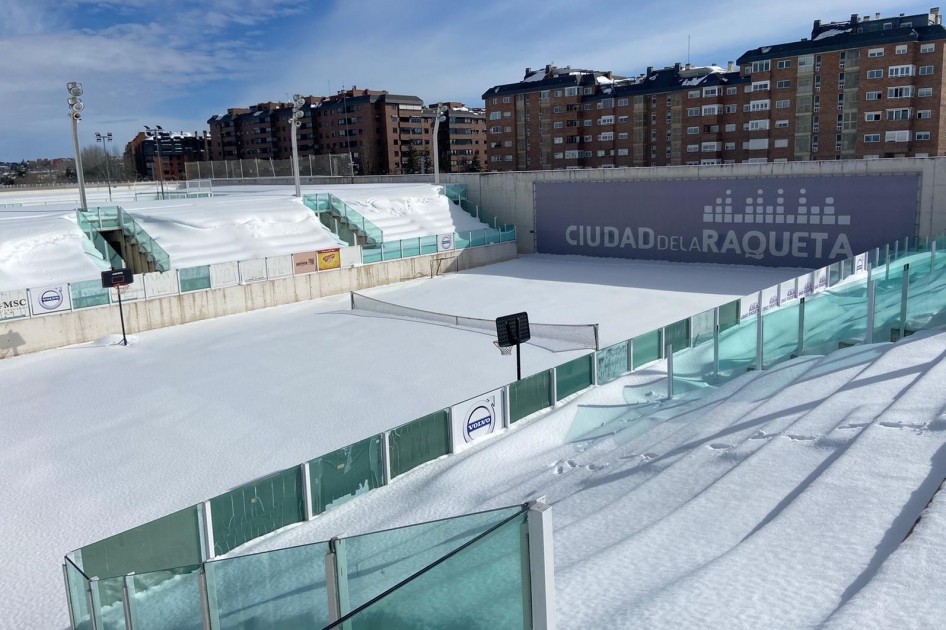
point(480, 422)
point(51, 299)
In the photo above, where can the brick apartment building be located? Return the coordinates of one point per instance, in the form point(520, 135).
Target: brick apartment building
point(859, 89)
point(375, 127)
point(177, 149)
point(462, 138)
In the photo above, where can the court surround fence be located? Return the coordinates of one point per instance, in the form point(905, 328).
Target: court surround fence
point(338, 165)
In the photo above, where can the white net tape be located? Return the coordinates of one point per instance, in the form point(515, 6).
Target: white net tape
point(553, 337)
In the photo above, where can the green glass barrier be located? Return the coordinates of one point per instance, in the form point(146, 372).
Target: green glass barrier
point(379, 561)
point(428, 245)
point(78, 583)
point(729, 315)
point(702, 327)
point(780, 334)
point(418, 442)
point(888, 291)
point(612, 362)
point(283, 589)
point(478, 238)
point(677, 335)
point(920, 308)
point(492, 236)
point(481, 586)
point(194, 278)
point(111, 611)
point(574, 376)
point(410, 247)
point(646, 349)
point(88, 293)
point(173, 606)
point(836, 318)
point(370, 255)
point(461, 240)
point(170, 541)
point(257, 509)
point(340, 475)
point(508, 235)
point(530, 395)
point(737, 348)
point(391, 251)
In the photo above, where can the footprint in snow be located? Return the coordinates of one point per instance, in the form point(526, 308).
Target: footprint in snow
point(802, 438)
point(720, 446)
point(597, 467)
point(919, 427)
point(649, 456)
point(762, 435)
point(853, 425)
point(564, 465)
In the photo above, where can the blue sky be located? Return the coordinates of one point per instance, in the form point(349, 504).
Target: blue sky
point(175, 63)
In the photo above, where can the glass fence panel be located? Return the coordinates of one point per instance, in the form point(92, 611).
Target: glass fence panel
point(702, 326)
point(924, 295)
point(77, 585)
point(173, 606)
point(257, 509)
point(451, 594)
point(88, 293)
point(276, 590)
point(379, 561)
point(888, 291)
point(428, 245)
point(461, 240)
point(612, 362)
point(111, 610)
point(530, 395)
point(677, 335)
point(492, 236)
point(646, 349)
point(508, 235)
point(729, 315)
point(371, 255)
point(478, 238)
point(836, 318)
point(194, 278)
point(780, 334)
point(170, 541)
point(420, 441)
point(340, 475)
point(410, 247)
point(391, 251)
point(574, 376)
point(737, 348)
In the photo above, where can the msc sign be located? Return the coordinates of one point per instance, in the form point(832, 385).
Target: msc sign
point(774, 221)
point(14, 305)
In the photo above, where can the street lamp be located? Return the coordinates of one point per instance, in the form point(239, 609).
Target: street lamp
point(297, 104)
point(441, 117)
point(108, 175)
point(75, 113)
point(157, 133)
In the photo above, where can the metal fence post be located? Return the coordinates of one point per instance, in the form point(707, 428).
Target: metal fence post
point(65, 577)
point(507, 408)
point(208, 530)
point(307, 491)
point(541, 567)
point(670, 371)
point(716, 343)
point(630, 355)
point(386, 457)
point(128, 601)
point(553, 386)
point(801, 326)
point(336, 582)
point(904, 296)
point(759, 338)
point(594, 369)
point(887, 260)
point(95, 604)
point(871, 295)
point(206, 582)
point(933, 256)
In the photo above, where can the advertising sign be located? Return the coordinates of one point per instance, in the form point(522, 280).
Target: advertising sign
point(445, 242)
point(329, 259)
point(748, 306)
point(48, 300)
point(860, 264)
point(769, 299)
point(351, 256)
point(278, 266)
point(14, 304)
point(159, 284)
point(224, 275)
point(252, 270)
point(787, 292)
point(806, 285)
point(304, 263)
point(477, 418)
point(773, 221)
point(130, 292)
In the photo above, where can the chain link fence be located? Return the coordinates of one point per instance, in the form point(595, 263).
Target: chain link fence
point(309, 166)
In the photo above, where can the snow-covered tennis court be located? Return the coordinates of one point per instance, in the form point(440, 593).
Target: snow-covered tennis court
point(99, 439)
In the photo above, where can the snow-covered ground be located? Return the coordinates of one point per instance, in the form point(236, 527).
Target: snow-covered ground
point(206, 407)
point(44, 249)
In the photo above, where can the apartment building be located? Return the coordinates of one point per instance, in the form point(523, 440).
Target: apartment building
point(177, 149)
point(462, 138)
point(862, 88)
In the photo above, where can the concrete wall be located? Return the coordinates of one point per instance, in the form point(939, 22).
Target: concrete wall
point(510, 195)
point(23, 336)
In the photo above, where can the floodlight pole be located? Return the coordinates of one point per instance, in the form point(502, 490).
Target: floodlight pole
point(75, 114)
point(440, 116)
point(297, 104)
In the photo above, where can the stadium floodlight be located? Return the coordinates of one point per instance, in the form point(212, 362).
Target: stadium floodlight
point(295, 123)
point(440, 117)
point(108, 175)
point(75, 114)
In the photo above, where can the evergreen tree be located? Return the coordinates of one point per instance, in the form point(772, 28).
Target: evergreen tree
point(475, 166)
point(413, 161)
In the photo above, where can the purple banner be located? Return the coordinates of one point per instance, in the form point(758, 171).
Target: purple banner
point(771, 221)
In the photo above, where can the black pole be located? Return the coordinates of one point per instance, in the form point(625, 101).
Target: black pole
point(121, 314)
point(518, 363)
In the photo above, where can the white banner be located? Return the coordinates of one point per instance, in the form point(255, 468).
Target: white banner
point(769, 298)
point(159, 284)
point(351, 256)
point(820, 280)
point(860, 265)
point(14, 304)
point(477, 418)
point(787, 292)
point(251, 271)
point(47, 300)
point(224, 275)
point(445, 242)
point(748, 306)
point(278, 266)
point(806, 285)
point(130, 292)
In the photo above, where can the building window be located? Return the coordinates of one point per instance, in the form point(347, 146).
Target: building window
point(607, 136)
point(712, 110)
point(900, 92)
point(495, 115)
point(622, 151)
point(925, 70)
point(927, 48)
point(874, 96)
point(559, 156)
point(922, 135)
point(622, 135)
point(622, 102)
point(731, 127)
point(924, 113)
point(558, 140)
point(784, 63)
point(900, 114)
point(558, 124)
point(693, 111)
point(925, 92)
point(572, 91)
point(783, 84)
point(693, 94)
point(875, 52)
point(761, 86)
point(901, 71)
point(805, 62)
point(606, 120)
point(509, 158)
point(757, 144)
point(761, 66)
point(783, 104)
point(781, 124)
point(693, 131)
point(902, 49)
point(544, 94)
point(730, 109)
point(507, 143)
point(730, 146)
point(622, 119)
point(712, 91)
point(558, 93)
point(587, 107)
point(693, 148)
point(507, 99)
point(871, 116)
point(872, 137)
point(897, 136)
point(875, 74)
point(495, 129)
point(606, 103)
point(780, 144)
point(589, 91)
point(587, 123)
point(757, 125)
point(587, 138)
point(732, 90)
point(758, 106)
